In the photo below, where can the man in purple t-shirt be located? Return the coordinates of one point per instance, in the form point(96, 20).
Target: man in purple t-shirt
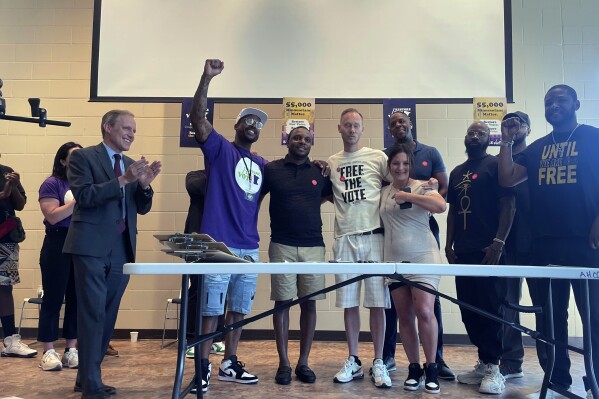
point(232, 201)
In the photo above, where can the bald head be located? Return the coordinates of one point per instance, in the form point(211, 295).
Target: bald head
point(479, 126)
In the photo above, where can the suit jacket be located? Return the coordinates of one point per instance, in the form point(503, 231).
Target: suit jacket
point(95, 222)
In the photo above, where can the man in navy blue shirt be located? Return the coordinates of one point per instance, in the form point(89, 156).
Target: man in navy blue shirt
point(297, 188)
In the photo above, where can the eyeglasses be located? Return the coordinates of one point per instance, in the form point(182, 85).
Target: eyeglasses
point(479, 133)
point(253, 122)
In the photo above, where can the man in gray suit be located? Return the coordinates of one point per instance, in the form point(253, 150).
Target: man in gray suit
point(110, 190)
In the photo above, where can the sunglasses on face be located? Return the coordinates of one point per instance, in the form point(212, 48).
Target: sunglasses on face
point(253, 122)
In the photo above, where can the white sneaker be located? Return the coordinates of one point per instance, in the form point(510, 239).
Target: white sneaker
point(493, 382)
point(13, 347)
point(475, 376)
point(350, 371)
point(380, 374)
point(50, 361)
point(70, 359)
point(218, 348)
point(589, 394)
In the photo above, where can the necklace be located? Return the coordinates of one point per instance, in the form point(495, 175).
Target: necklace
point(568, 139)
point(248, 195)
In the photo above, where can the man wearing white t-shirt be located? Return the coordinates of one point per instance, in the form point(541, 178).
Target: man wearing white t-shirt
point(356, 176)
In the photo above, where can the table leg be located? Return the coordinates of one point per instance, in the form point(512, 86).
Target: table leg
point(587, 341)
point(548, 312)
point(182, 338)
point(198, 332)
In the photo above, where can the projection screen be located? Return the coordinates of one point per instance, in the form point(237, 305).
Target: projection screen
point(333, 50)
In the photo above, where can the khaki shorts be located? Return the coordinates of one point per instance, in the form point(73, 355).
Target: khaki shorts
point(356, 248)
point(285, 287)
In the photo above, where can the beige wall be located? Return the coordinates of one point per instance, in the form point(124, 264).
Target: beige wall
point(45, 48)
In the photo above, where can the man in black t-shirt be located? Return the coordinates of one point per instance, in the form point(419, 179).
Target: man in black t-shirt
point(196, 182)
point(297, 188)
point(563, 181)
point(479, 220)
point(517, 252)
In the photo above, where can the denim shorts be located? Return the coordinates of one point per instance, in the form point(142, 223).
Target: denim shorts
point(238, 289)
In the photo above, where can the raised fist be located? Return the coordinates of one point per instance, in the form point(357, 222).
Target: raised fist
point(509, 128)
point(213, 67)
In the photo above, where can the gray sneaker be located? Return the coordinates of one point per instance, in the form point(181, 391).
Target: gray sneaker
point(380, 374)
point(475, 376)
point(50, 361)
point(70, 359)
point(493, 382)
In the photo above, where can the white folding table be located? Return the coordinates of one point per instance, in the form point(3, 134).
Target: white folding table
point(367, 269)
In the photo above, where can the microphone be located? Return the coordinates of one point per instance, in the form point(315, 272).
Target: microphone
point(36, 111)
point(35, 106)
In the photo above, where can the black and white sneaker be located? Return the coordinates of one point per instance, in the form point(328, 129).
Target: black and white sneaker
point(415, 373)
point(431, 381)
point(206, 369)
point(232, 370)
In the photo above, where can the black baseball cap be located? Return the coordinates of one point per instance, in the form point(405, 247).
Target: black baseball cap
point(520, 115)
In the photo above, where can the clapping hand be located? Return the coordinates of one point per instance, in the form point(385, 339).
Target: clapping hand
point(12, 180)
point(149, 173)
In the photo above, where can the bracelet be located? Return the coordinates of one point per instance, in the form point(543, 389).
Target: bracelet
point(499, 241)
point(504, 143)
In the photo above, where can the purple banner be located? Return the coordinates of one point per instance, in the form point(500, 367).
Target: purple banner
point(392, 105)
point(187, 135)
